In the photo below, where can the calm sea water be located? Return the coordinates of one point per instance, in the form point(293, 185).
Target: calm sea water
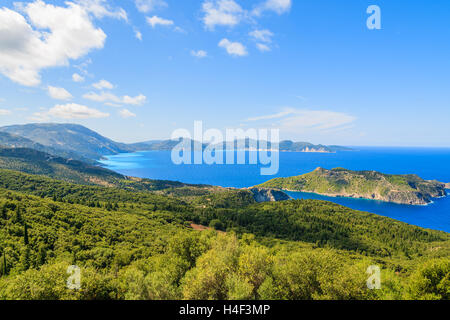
point(427, 163)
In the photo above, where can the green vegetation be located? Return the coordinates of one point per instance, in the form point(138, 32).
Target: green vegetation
point(404, 189)
point(135, 242)
point(36, 162)
point(40, 163)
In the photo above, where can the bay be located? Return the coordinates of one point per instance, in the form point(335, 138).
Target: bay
point(428, 163)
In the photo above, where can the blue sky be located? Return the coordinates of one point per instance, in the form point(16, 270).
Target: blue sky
point(309, 67)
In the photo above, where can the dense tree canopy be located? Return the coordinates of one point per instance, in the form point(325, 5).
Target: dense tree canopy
point(139, 244)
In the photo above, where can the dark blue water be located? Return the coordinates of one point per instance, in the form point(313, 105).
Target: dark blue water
point(427, 163)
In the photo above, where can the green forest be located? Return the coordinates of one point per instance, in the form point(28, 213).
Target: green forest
point(138, 240)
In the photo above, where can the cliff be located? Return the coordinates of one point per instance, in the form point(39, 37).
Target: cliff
point(268, 195)
point(339, 182)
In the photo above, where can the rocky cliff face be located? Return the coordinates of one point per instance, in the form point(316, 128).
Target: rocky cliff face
point(447, 185)
point(268, 195)
point(339, 182)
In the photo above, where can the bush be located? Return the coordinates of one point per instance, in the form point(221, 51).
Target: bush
point(216, 224)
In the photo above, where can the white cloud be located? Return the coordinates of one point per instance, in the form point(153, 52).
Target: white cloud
point(264, 38)
point(103, 84)
point(4, 112)
point(77, 78)
point(308, 121)
point(73, 111)
point(278, 6)
point(83, 66)
point(101, 9)
point(49, 36)
point(138, 34)
point(233, 48)
point(59, 93)
point(102, 97)
point(136, 101)
point(155, 20)
point(125, 113)
point(262, 35)
point(222, 13)
point(146, 6)
point(115, 101)
point(263, 47)
point(199, 54)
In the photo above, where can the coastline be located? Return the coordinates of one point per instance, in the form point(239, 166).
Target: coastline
point(433, 215)
point(362, 198)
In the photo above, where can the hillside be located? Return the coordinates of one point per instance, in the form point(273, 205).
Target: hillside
point(339, 182)
point(40, 163)
point(70, 138)
point(139, 245)
point(36, 162)
point(15, 141)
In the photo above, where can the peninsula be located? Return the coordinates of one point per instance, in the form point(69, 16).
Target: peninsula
point(339, 182)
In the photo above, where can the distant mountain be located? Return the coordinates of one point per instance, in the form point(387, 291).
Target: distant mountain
point(74, 141)
point(71, 138)
point(36, 162)
point(339, 182)
point(248, 144)
point(290, 146)
point(159, 145)
point(14, 141)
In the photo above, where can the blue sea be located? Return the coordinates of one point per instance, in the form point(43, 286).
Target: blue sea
point(427, 163)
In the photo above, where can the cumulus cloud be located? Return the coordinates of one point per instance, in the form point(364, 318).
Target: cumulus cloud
point(101, 9)
point(264, 38)
point(136, 101)
point(222, 13)
point(113, 100)
point(262, 35)
point(146, 6)
point(43, 36)
point(278, 6)
point(59, 93)
point(77, 78)
point(199, 53)
point(71, 111)
point(103, 84)
point(102, 97)
point(155, 21)
point(308, 121)
point(233, 48)
point(4, 112)
point(125, 113)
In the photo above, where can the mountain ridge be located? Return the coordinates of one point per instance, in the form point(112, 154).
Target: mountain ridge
point(247, 144)
point(81, 143)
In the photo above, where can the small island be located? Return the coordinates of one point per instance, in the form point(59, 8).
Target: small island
point(339, 182)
